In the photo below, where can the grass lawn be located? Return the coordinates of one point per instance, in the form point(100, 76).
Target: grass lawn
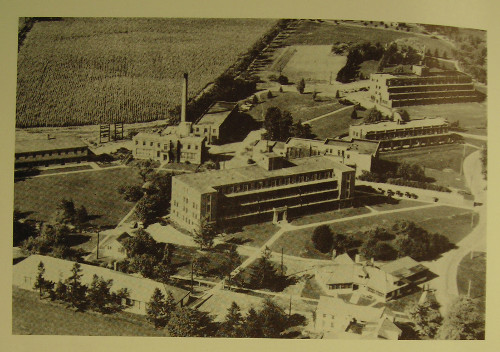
point(401, 203)
point(253, 235)
point(65, 169)
point(474, 270)
point(97, 191)
point(432, 157)
point(334, 125)
point(30, 316)
point(453, 223)
point(471, 116)
point(329, 215)
point(301, 106)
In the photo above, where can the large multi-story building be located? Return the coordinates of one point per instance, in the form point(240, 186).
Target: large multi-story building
point(267, 190)
point(420, 86)
point(52, 150)
point(400, 134)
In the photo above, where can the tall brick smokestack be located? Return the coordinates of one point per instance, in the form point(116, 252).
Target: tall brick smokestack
point(184, 97)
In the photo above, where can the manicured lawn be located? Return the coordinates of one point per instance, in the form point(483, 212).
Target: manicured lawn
point(96, 190)
point(469, 115)
point(329, 215)
point(453, 223)
point(253, 235)
point(301, 106)
point(334, 125)
point(475, 270)
point(433, 157)
point(65, 169)
point(400, 204)
point(30, 316)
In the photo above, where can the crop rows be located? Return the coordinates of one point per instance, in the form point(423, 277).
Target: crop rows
point(86, 70)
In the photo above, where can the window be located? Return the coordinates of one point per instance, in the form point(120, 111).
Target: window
point(158, 145)
point(136, 142)
point(143, 142)
point(214, 130)
point(150, 144)
point(189, 146)
point(205, 130)
point(195, 147)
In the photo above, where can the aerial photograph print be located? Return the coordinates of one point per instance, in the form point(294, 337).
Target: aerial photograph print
point(279, 178)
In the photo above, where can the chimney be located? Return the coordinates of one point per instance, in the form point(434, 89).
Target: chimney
point(184, 97)
point(114, 265)
point(357, 259)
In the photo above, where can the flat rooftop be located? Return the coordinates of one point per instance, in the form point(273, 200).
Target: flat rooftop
point(207, 181)
point(361, 146)
point(392, 125)
point(217, 113)
point(40, 145)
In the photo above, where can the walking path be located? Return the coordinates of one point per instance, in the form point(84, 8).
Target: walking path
point(80, 171)
point(473, 136)
point(328, 114)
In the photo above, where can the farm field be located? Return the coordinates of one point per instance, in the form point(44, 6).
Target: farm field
point(470, 116)
point(30, 316)
point(79, 71)
point(96, 190)
point(328, 33)
point(451, 222)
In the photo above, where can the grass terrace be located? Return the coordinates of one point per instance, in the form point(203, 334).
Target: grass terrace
point(254, 235)
point(97, 191)
point(32, 316)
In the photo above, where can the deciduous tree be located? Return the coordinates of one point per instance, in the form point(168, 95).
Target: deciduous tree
point(464, 321)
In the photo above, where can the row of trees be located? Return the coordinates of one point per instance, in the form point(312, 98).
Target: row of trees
point(395, 55)
point(279, 126)
point(97, 296)
point(270, 321)
point(325, 240)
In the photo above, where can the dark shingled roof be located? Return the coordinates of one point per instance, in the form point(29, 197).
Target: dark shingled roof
point(217, 113)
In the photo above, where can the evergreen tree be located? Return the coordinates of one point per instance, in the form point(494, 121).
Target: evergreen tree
point(75, 290)
point(156, 309)
point(65, 212)
point(263, 274)
point(273, 319)
point(164, 269)
point(201, 265)
point(205, 234)
point(60, 291)
point(186, 322)
point(253, 325)
point(98, 294)
point(41, 283)
point(233, 323)
point(81, 217)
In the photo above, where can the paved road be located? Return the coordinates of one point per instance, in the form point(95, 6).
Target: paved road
point(446, 267)
point(473, 136)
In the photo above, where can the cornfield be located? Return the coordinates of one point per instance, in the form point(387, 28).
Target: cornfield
point(80, 71)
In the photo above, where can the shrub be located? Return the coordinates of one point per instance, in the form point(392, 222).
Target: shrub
point(283, 80)
point(322, 238)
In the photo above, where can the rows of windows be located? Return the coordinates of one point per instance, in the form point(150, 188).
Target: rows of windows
point(46, 154)
point(268, 183)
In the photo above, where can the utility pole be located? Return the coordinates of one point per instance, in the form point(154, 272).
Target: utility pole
point(471, 223)
point(463, 158)
point(468, 291)
point(97, 251)
point(290, 307)
point(192, 278)
point(282, 261)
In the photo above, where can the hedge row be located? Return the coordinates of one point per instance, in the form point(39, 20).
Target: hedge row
point(417, 184)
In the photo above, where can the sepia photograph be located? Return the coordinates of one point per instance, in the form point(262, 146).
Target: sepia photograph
point(281, 178)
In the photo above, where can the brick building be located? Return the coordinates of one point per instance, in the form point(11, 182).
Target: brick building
point(267, 190)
